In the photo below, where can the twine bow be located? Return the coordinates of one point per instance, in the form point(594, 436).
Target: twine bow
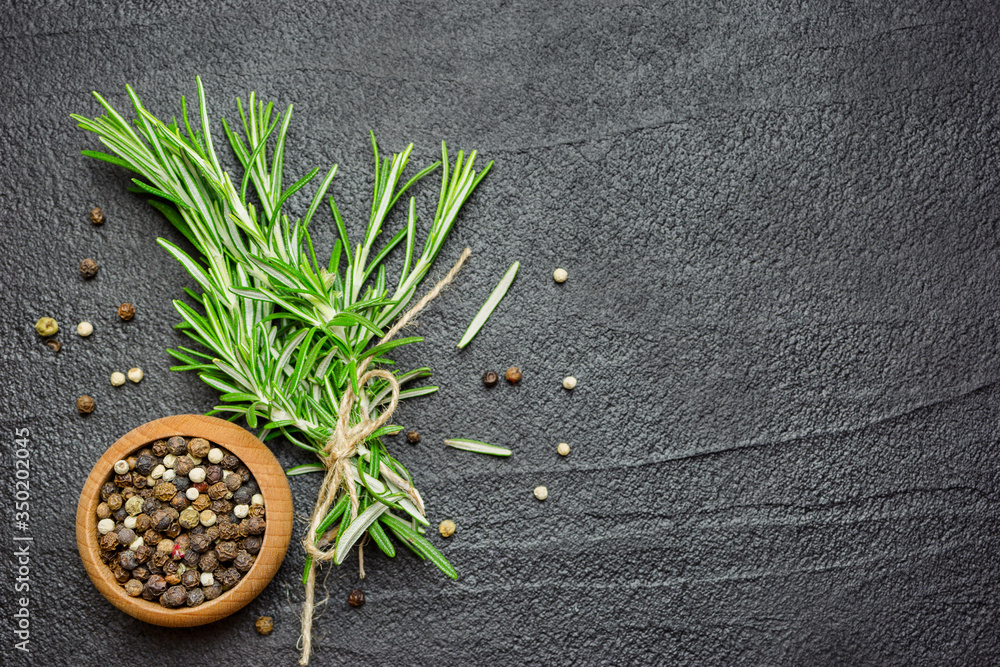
point(343, 445)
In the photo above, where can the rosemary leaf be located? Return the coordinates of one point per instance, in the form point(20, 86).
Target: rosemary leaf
point(477, 446)
point(498, 293)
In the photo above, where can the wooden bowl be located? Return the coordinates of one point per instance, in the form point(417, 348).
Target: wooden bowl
point(273, 486)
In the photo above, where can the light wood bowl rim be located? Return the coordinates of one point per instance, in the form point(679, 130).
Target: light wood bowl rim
point(273, 485)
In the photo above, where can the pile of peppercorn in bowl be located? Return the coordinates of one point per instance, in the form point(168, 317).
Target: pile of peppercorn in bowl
point(184, 520)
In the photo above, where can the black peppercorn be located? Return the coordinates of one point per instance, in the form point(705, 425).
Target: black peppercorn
point(160, 559)
point(217, 491)
point(121, 574)
point(253, 525)
point(126, 311)
point(213, 474)
point(191, 558)
point(242, 496)
point(151, 506)
point(233, 482)
point(161, 520)
point(126, 536)
point(114, 501)
point(127, 560)
point(182, 483)
point(356, 598)
point(177, 445)
point(173, 530)
point(120, 514)
point(154, 587)
point(490, 378)
point(200, 543)
point(109, 542)
point(199, 447)
point(179, 502)
point(164, 491)
point(227, 577)
point(107, 489)
point(226, 550)
point(144, 464)
point(195, 597)
point(412, 437)
point(88, 268)
point(213, 532)
point(85, 405)
point(96, 216)
point(252, 544)
point(221, 507)
point(229, 531)
point(183, 465)
point(121, 481)
point(230, 462)
point(245, 475)
point(243, 562)
point(190, 578)
point(103, 511)
point(143, 553)
point(160, 448)
point(213, 591)
point(513, 375)
point(208, 562)
point(151, 537)
point(170, 567)
point(141, 573)
point(175, 596)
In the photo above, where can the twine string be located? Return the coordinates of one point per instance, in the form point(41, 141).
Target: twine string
point(343, 445)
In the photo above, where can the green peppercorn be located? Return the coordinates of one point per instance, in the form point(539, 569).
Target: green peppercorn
point(46, 326)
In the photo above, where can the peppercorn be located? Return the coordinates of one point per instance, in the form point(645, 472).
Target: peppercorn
point(88, 268)
point(264, 625)
point(177, 446)
point(103, 511)
point(161, 520)
point(155, 586)
point(213, 474)
point(160, 558)
point(97, 216)
point(170, 567)
point(126, 311)
point(151, 537)
point(183, 465)
point(189, 518)
point(215, 455)
point(119, 515)
point(563, 449)
point(213, 532)
point(122, 481)
point(133, 587)
point(560, 275)
point(253, 525)
point(127, 560)
point(244, 473)
point(241, 496)
point(85, 405)
point(233, 482)
point(241, 511)
point(175, 596)
point(107, 489)
point(513, 375)
point(190, 578)
point(252, 544)
point(179, 502)
point(447, 528)
point(195, 597)
point(164, 491)
point(160, 448)
point(490, 378)
point(151, 505)
point(202, 502)
point(198, 447)
point(217, 491)
point(144, 464)
point(143, 553)
point(142, 572)
point(229, 531)
point(135, 375)
point(226, 551)
point(541, 492)
point(207, 518)
point(114, 501)
point(208, 562)
point(200, 543)
point(182, 484)
point(121, 574)
point(109, 540)
point(412, 437)
point(126, 536)
point(243, 561)
point(53, 344)
point(212, 592)
point(174, 530)
point(227, 577)
point(256, 510)
point(142, 523)
point(356, 598)
point(46, 326)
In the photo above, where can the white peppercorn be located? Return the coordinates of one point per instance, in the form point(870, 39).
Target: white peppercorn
point(257, 499)
point(134, 506)
point(560, 275)
point(197, 476)
point(130, 520)
point(169, 460)
point(121, 467)
point(241, 511)
point(84, 329)
point(207, 579)
point(158, 472)
point(215, 455)
point(105, 526)
point(569, 382)
point(541, 492)
point(136, 543)
point(207, 518)
point(192, 493)
point(117, 379)
point(135, 374)
point(563, 449)
point(168, 475)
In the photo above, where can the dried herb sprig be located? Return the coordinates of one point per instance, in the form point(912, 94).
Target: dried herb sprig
point(281, 335)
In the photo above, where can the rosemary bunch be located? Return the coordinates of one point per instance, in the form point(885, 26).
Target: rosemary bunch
point(281, 335)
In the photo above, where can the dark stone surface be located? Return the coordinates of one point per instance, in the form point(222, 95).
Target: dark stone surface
point(780, 223)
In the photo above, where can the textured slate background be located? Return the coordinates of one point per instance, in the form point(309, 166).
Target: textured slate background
point(780, 223)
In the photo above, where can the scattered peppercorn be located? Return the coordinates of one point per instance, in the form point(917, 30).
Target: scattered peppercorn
point(126, 311)
point(264, 625)
point(46, 326)
point(53, 344)
point(412, 437)
point(97, 216)
point(85, 405)
point(356, 598)
point(541, 492)
point(135, 375)
point(569, 382)
point(447, 528)
point(88, 268)
point(490, 378)
point(513, 375)
point(560, 275)
point(563, 449)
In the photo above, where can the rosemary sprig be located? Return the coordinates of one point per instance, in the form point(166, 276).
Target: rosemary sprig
point(278, 333)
